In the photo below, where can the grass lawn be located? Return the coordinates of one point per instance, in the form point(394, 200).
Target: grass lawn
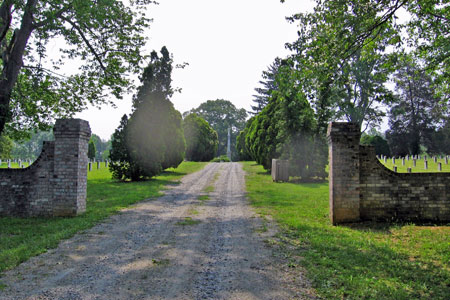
point(22, 238)
point(361, 261)
point(432, 166)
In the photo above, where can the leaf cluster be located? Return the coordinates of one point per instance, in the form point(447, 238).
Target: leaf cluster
point(201, 139)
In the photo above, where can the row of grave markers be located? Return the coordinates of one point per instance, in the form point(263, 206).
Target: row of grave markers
point(27, 162)
point(22, 163)
point(414, 159)
point(106, 162)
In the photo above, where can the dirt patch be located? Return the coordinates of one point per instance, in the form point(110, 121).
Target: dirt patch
point(160, 249)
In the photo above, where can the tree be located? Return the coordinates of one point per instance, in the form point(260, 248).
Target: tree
point(201, 139)
point(122, 165)
point(268, 85)
point(100, 146)
point(340, 81)
point(416, 115)
point(221, 115)
point(241, 145)
point(375, 139)
point(155, 134)
point(105, 36)
point(338, 30)
point(286, 128)
point(91, 149)
point(6, 146)
point(32, 147)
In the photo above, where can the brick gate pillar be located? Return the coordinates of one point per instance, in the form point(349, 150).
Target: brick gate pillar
point(70, 166)
point(344, 165)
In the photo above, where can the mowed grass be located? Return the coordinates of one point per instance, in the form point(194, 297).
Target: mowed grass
point(22, 238)
point(4, 165)
point(420, 165)
point(361, 261)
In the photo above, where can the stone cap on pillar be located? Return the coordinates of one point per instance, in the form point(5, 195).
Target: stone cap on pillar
point(72, 128)
point(343, 131)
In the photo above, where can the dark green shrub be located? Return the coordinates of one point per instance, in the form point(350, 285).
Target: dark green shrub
point(122, 166)
point(91, 149)
point(222, 158)
point(201, 139)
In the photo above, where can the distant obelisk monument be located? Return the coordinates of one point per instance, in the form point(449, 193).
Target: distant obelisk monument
point(229, 144)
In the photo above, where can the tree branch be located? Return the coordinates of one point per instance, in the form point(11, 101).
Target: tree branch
point(5, 18)
point(57, 15)
point(88, 44)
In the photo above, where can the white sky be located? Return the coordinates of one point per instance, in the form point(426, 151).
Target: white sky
point(227, 43)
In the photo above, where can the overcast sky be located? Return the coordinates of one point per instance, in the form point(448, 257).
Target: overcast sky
point(227, 43)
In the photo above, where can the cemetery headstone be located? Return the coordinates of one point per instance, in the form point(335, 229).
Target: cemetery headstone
point(403, 161)
point(395, 168)
point(414, 162)
point(425, 164)
point(439, 166)
point(409, 170)
point(90, 166)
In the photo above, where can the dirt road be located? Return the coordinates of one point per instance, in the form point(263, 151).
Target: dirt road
point(179, 246)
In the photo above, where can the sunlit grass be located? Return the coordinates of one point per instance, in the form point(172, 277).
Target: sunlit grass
point(22, 238)
point(361, 261)
point(420, 165)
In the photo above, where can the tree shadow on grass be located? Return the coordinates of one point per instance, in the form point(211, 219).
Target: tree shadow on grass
point(356, 268)
point(386, 227)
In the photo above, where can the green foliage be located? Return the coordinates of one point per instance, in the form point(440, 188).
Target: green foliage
point(201, 139)
point(6, 146)
point(268, 85)
point(31, 147)
point(100, 147)
point(286, 128)
point(381, 145)
point(222, 158)
point(359, 261)
point(122, 165)
point(155, 135)
point(417, 114)
point(341, 77)
point(152, 139)
point(221, 115)
point(106, 36)
point(91, 149)
point(241, 146)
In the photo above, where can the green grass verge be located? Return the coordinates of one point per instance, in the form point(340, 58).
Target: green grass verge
point(362, 261)
point(22, 238)
point(419, 168)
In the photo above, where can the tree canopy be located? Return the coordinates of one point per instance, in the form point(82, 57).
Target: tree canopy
point(102, 38)
point(201, 139)
point(346, 51)
point(152, 139)
point(221, 115)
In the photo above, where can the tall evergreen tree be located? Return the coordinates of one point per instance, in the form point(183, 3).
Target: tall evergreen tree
point(91, 149)
point(155, 134)
point(416, 115)
point(122, 165)
point(268, 85)
point(201, 139)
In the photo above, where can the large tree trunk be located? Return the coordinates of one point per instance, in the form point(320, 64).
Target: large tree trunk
point(12, 56)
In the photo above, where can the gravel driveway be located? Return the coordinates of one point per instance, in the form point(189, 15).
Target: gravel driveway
point(179, 246)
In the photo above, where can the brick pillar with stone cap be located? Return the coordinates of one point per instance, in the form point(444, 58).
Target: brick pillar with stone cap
point(70, 166)
point(343, 140)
